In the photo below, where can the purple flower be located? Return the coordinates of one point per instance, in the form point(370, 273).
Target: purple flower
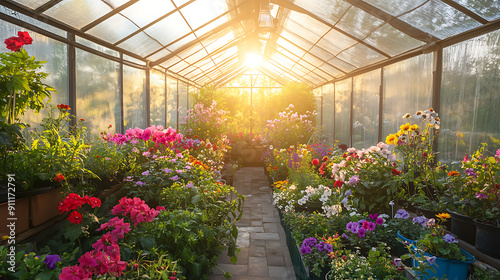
point(349, 226)
point(348, 193)
point(175, 178)
point(431, 260)
point(344, 201)
point(345, 235)
point(361, 232)
point(354, 180)
point(379, 221)
point(422, 220)
point(481, 195)
point(371, 226)
point(167, 170)
point(51, 261)
point(311, 241)
point(402, 214)
point(397, 262)
point(450, 238)
point(189, 185)
point(373, 216)
point(140, 183)
point(470, 172)
point(145, 172)
point(304, 249)
point(323, 246)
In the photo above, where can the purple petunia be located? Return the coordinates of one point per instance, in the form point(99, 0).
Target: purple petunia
point(471, 172)
point(402, 214)
point(323, 246)
point(371, 226)
point(422, 220)
point(431, 260)
point(311, 241)
point(145, 172)
point(354, 180)
point(140, 183)
point(167, 170)
point(379, 221)
point(175, 178)
point(189, 185)
point(397, 262)
point(450, 238)
point(373, 216)
point(304, 249)
point(481, 195)
point(361, 232)
point(51, 260)
point(345, 235)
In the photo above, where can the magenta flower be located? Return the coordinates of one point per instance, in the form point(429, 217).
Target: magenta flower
point(379, 221)
point(471, 172)
point(361, 232)
point(174, 178)
point(167, 170)
point(189, 185)
point(304, 249)
point(481, 195)
point(371, 226)
point(397, 262)
point(140, 183)
point(145, 172)
point(373, 216)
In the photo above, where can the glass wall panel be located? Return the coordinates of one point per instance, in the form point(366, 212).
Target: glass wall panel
point(470, 97)
point(44, 49)
point(97, 92)
point(183, 99)
point(407, 89)
point(343, 91)
point(172, 102)
point(157, 109)
point(366, 99)
point(134, 97)
point(328, 112)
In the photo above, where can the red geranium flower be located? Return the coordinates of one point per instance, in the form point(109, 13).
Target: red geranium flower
point(396, 172)
point(338, 184)
point(63, 107)
point(14, 43)
point(325, 158)
point(59, 177)
point(25, 37)
point(315, 161)
point(75, 217)
point(92, 201)
point(275, 168)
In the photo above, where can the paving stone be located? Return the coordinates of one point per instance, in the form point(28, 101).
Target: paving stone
point(256, 223)
point(271, 220)
point(243, 239)
point(250, 229)
point(257, 266)
point(257, 242)
point(271, 227)
point(278, 271)
point(265, 236)
point(234, 269)
point(256, 251)
point(275, 260)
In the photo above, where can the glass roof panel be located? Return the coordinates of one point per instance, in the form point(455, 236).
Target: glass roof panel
point(358, 22)
point(313, 78)
point(335, 42)
point(282, 61)
point(159, 55)
point(196, 56)
point(95, 46)
point(205, 29)
point(25, 18)
point(113, 29)
point(300, 70)
point(360, 55)
point(396, 7)
point(346, 67)
point(392, 41)
point(147, 44)
point(142, 14)
point(312, 59)
point(330, 69)
point(489, 9)
point(180, 2)
point(115, 3)
point(169, 29)
point(33, 4)
point(321, 53)
point(179, 66)
point(193, 74)
point(193, 49)
point(88, 11)
point(202, 11)
point(181, 42)
point(330, 11)
point(170, 62)
point(311, 31)
point(439, 19)
point(290, 47)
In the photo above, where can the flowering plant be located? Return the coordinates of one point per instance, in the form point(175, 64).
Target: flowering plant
point(204, 122)
point(318, 253)
point(290, 128)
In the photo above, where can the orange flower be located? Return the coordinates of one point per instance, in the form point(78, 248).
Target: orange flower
point(443, 216)
point(82, 120)
point(453, 173)
point(59, 177)
point(275, 168)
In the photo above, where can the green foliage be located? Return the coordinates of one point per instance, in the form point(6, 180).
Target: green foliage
point(300, 95)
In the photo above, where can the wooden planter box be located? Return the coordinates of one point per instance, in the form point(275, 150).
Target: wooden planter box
point(22, 215)
point(43, 207)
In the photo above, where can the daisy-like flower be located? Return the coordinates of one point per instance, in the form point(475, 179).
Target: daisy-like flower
point(443, 215)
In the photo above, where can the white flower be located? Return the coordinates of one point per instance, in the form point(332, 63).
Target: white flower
point(302, 201)
point(292, 187)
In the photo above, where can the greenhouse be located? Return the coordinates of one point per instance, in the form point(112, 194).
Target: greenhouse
point(250, 139)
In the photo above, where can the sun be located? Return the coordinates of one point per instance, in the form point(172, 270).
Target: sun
point(253, 60)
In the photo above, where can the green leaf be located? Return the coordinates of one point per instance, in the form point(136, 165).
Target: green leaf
point(492, 160)
point(196, 199)
point(73, 232)
point(46, 275)
point(147, 242)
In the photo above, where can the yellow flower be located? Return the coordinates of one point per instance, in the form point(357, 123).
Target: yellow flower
point(414, 127)
point(391, 139)
point(443, 216)
point(5, 237)
point(405, 127)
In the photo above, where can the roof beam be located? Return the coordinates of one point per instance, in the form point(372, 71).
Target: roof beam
point(299, 9)
point(279, 66)
point(466, 11)
point(226, 77)
point(222, 64)
point(108, 15)
point(200, 39)
point(269, 73)
point(46, 6)
point(393, 21)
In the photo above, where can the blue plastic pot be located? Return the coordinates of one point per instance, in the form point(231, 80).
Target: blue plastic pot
point(453, 269)
point(405, 239)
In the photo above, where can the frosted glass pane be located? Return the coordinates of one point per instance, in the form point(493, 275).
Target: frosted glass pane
point(142, 14)
point(179, 66)
point(439, 19)
point(366, 99)
point(181, 42)
point(358, 23)
point(360, 55)
point(469, 97)
point(113, 29)
point(140, 44)
point(96, 47)
point(291, 36)
point(170, 62)
point(335, 42)
point(158, 55)
point(311, 31)
point(33, 4)
point(97, 92)
point(392, 41)
point(330, 11)
point(346, 67)
point(196, 56)
point(330, 69)
point(407, 89)
point(290, 47)
point(157, 109)
point(202, 11)
point(321, 53)
point(134, 97)
point(328, 112)
point(172, 102)
point(134, 60)
point(78, 13)
point(343, 91)
point(209, 27)
point(396, 7)
point(30, 20)
point(168, 29)
point(183, 99)
point(489, 9)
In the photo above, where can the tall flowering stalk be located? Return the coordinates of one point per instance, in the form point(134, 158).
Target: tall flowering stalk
point(204, 122)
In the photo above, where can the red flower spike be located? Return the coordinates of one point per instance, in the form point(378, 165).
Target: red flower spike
point(25, 37)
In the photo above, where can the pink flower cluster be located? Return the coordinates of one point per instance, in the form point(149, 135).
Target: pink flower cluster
point(137, 209)
point(157, 134)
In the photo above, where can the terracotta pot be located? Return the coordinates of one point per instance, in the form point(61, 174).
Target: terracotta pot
point(44, 206)
point(21, 213)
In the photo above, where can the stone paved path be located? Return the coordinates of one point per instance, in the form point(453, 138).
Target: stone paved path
point(264, 254)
